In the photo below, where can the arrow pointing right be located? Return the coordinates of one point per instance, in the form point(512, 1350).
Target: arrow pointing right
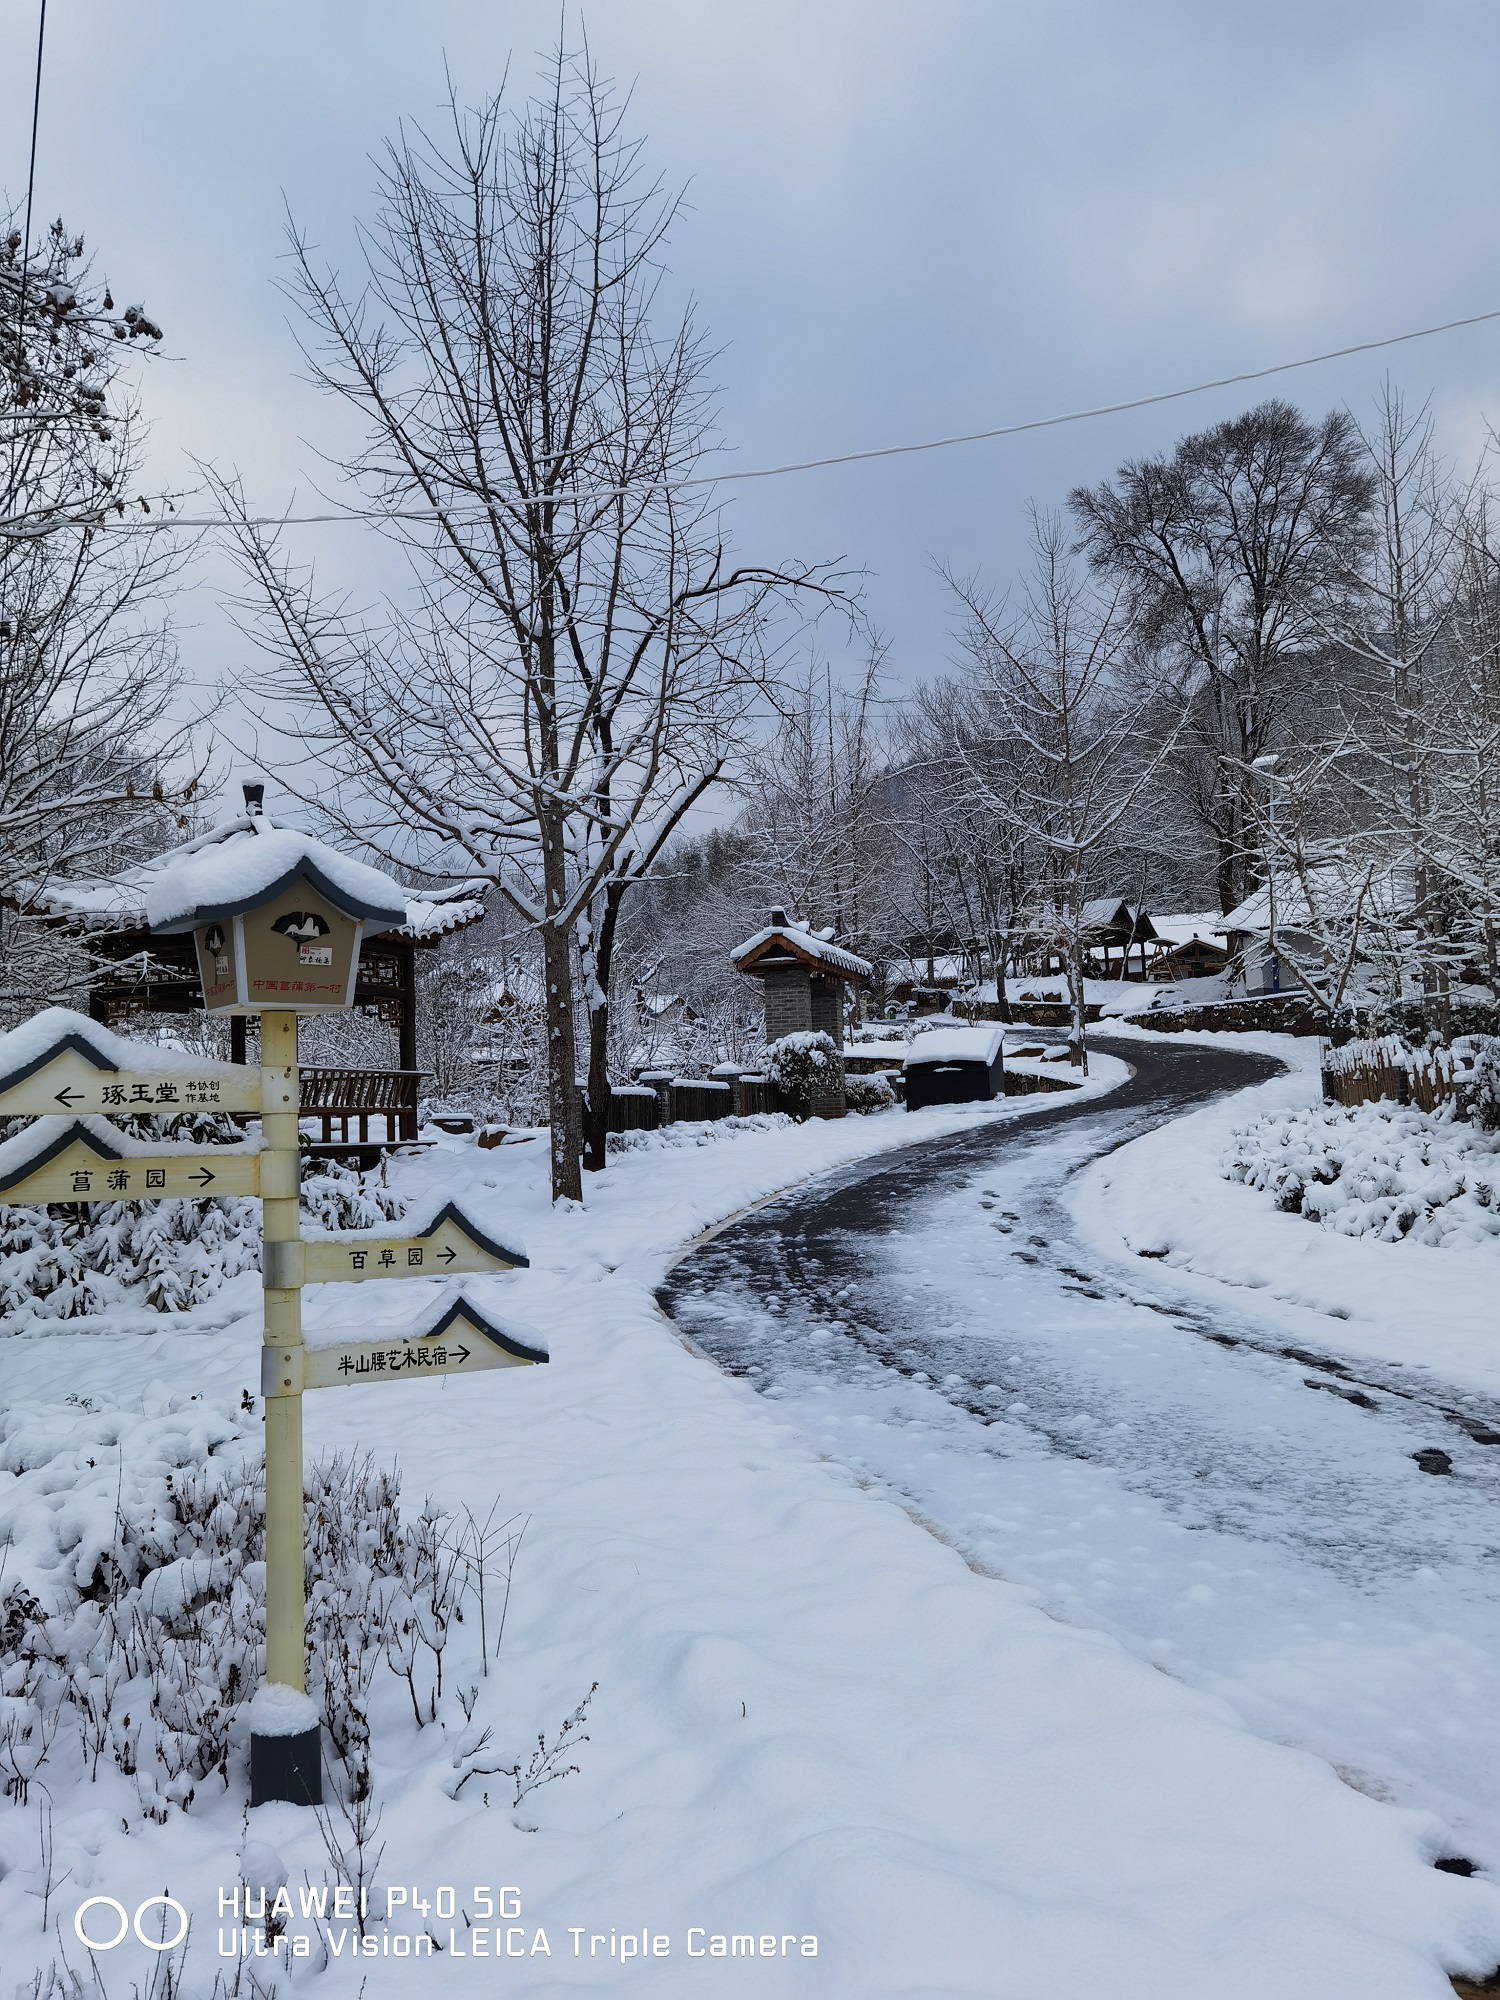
point(449, 1254)
point(203, 1176)
point(464, 1353)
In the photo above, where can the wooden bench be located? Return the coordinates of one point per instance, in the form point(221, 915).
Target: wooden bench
point(358, 1095)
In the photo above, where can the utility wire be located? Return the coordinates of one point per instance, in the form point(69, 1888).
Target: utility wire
point(36, 109)
point(603, 494)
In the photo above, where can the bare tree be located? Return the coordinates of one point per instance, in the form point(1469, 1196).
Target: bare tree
point(1466, 751)
point(1233, 552)
point(971, 840)
point(814, 818)
point(579, 658)
point(1051, 676)
point(87, 663)
point(1397, 626)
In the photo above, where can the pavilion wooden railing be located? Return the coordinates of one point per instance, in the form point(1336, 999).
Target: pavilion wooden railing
point(348, 1095)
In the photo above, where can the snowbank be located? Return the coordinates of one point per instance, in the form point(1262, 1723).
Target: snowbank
point(812, 1722)
point(1165, 1196)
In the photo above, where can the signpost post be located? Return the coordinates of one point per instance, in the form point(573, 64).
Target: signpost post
point(285, 941)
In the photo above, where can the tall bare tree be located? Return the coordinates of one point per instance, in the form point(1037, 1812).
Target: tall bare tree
point(1233, 552)
point(1051, 676)
point(578, 657)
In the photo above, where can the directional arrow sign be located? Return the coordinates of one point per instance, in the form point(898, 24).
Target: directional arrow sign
point(76, 1163)
point(459, 1340)
point(71, 1075)
point(450, 1243)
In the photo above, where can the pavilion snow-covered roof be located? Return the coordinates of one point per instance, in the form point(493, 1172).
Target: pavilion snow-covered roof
point(789, 941)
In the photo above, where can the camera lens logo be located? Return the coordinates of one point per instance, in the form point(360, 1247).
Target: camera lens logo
point(114, 1913)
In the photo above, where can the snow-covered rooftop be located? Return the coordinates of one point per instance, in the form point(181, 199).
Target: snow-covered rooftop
point(946, 1045)
point(816, 946)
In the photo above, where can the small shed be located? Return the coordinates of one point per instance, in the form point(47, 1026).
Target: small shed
point(803, 973)
point(1190, 958)
point(955, 1066)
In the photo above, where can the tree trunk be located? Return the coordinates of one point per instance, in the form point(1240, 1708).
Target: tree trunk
point(563, 1114)
point(1000, 959)
point(596, 1126)
point(1078, 1053)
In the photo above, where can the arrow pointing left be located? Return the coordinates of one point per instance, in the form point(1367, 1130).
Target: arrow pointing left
point(68, 1098)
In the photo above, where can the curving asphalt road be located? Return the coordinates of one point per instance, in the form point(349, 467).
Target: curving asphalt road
point(1230, 1495)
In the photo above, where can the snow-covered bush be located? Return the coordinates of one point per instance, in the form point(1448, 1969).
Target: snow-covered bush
point(1381, 1169)
point(868, 1093)
point(1483, 1098)
point(72, 1260)
point(799, 1065)
point(132, 1611)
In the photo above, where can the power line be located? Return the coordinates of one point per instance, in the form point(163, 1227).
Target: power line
point(838, 458)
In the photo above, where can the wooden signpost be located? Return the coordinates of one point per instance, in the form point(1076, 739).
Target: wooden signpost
point(290, 946)
point(77, 1164)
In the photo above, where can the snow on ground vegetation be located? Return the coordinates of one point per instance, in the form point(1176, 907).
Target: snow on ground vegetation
point(727, 1704)
point(1166, 1196)
point(1378, 1169)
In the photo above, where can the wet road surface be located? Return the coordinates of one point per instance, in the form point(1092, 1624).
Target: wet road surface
point(1236, 1501)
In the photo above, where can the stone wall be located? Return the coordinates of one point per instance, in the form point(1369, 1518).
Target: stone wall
point(1276, 1014)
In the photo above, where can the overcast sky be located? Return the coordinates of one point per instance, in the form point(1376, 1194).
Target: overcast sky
point(906, 220)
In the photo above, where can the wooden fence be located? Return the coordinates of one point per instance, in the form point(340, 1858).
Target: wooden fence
point(1388, 1071)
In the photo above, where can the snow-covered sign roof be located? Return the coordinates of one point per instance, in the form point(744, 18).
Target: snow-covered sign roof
point(251, 863)
point(787, 940)
point(949, 1045)
point(25, 1049)
point(237, 866)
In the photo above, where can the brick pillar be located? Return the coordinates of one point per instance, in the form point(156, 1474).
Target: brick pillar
point(788, 1003)
point(828, 1016)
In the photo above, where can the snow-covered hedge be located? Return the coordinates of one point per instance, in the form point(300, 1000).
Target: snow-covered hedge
point(1484, 1086)
point(797, 1064)
point(70, 1260)
point(669, 1138)
point(1382, 1170)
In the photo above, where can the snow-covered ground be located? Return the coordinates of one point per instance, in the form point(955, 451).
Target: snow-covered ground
point(814, 1719)
point(1403, 1303)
